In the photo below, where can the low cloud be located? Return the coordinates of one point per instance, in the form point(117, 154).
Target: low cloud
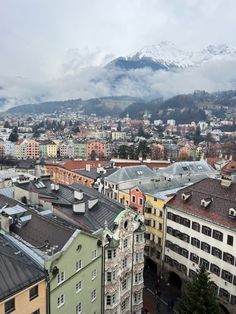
point(85, 82)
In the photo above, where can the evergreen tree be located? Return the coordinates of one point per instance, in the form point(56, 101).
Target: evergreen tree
point(7, 125)
point(13, 137)
point(199, 297)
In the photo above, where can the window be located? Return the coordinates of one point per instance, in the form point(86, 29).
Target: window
point(186, 222)
point(139, 238)
point(184, 253)
point(205, 247)
point(160, 213)
point(228, 258)
point(140, 201)
point(124, 284)
point(137, 297)
point(216, 252)
point(217, 235)
point(93, 295)
point(109, 276)
point(138, 277)
point(60, 301)
point(194, 258)
point(125, 243)
point(206, 231)
point(138, 257)
point(192, 273)
point(224, 294)
point(9, 306)
point(124, 262)
point(185, 237)
point(227, 276)
point(111, 254)
point(79, 308)
point(215, 269)
point(124, 304)
point(171, 216)
point(196, 226)
point(160, 226)
point(170, 230)
point(94, 274)
point(178, 219)
point(133, 198)
point(60, 278)
point(108, 299)
point(78, 287)
point(230, 240)
point(94, 254)
point(78, 265)
point(33, 293)
point(204, 263)
point(195, 242)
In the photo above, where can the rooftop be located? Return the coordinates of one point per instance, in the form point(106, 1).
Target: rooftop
point(223, 198)
point(17, 271)
point(131, 173)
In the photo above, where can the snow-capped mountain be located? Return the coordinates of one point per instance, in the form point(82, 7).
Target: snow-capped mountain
point(167, 56)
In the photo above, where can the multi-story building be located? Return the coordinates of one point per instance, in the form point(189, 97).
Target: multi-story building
point(20, 149)
point(119, 229)
point(9, 148)
point(200, 225)
point(96, 149)
point(32, 149)
point(22, 284)
point(80, 150)
point(48, 149)
point(126, 178)
point(71, 258)
point(117, 136)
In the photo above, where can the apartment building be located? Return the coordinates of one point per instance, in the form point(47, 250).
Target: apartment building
point(71, 258)
point(22, 284)
point(200, 229)
point(96, 149)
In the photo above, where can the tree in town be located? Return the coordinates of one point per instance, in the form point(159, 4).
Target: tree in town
point(7, 125)
point(119, 126)
point(93, 155)
point(13, 137)
point(143, 150)
point(197, 136)
point(199, 296)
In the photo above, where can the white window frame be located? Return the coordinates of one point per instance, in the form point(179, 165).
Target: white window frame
point(93, 295)
point(78, 265)
point(60, 301)
point(78, 286)
point(79, 308)
point(94, 254)
point(60, 278)
point(94, 274)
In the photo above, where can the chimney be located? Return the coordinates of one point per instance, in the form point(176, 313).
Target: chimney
point(6, 221)
point(78, 195)
point(87, 167)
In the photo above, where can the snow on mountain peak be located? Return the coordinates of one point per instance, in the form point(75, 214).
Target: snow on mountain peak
point(169, 55)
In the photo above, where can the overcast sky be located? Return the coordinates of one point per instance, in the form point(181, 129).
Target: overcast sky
point(40, 37)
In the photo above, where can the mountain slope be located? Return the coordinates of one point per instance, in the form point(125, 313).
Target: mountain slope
point(166, 56)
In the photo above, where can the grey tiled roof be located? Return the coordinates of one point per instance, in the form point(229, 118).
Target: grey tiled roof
point(187, 167)
point(16, 270)
point(131, 173)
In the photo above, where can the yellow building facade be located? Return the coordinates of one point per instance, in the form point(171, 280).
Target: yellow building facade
point(154, 221)
point(30, 300)
point(124, 197)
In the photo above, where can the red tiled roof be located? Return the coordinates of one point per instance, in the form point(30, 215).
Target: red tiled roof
point(223, 198)
point(81, 164)
point(229, 167)
point(213, 160)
